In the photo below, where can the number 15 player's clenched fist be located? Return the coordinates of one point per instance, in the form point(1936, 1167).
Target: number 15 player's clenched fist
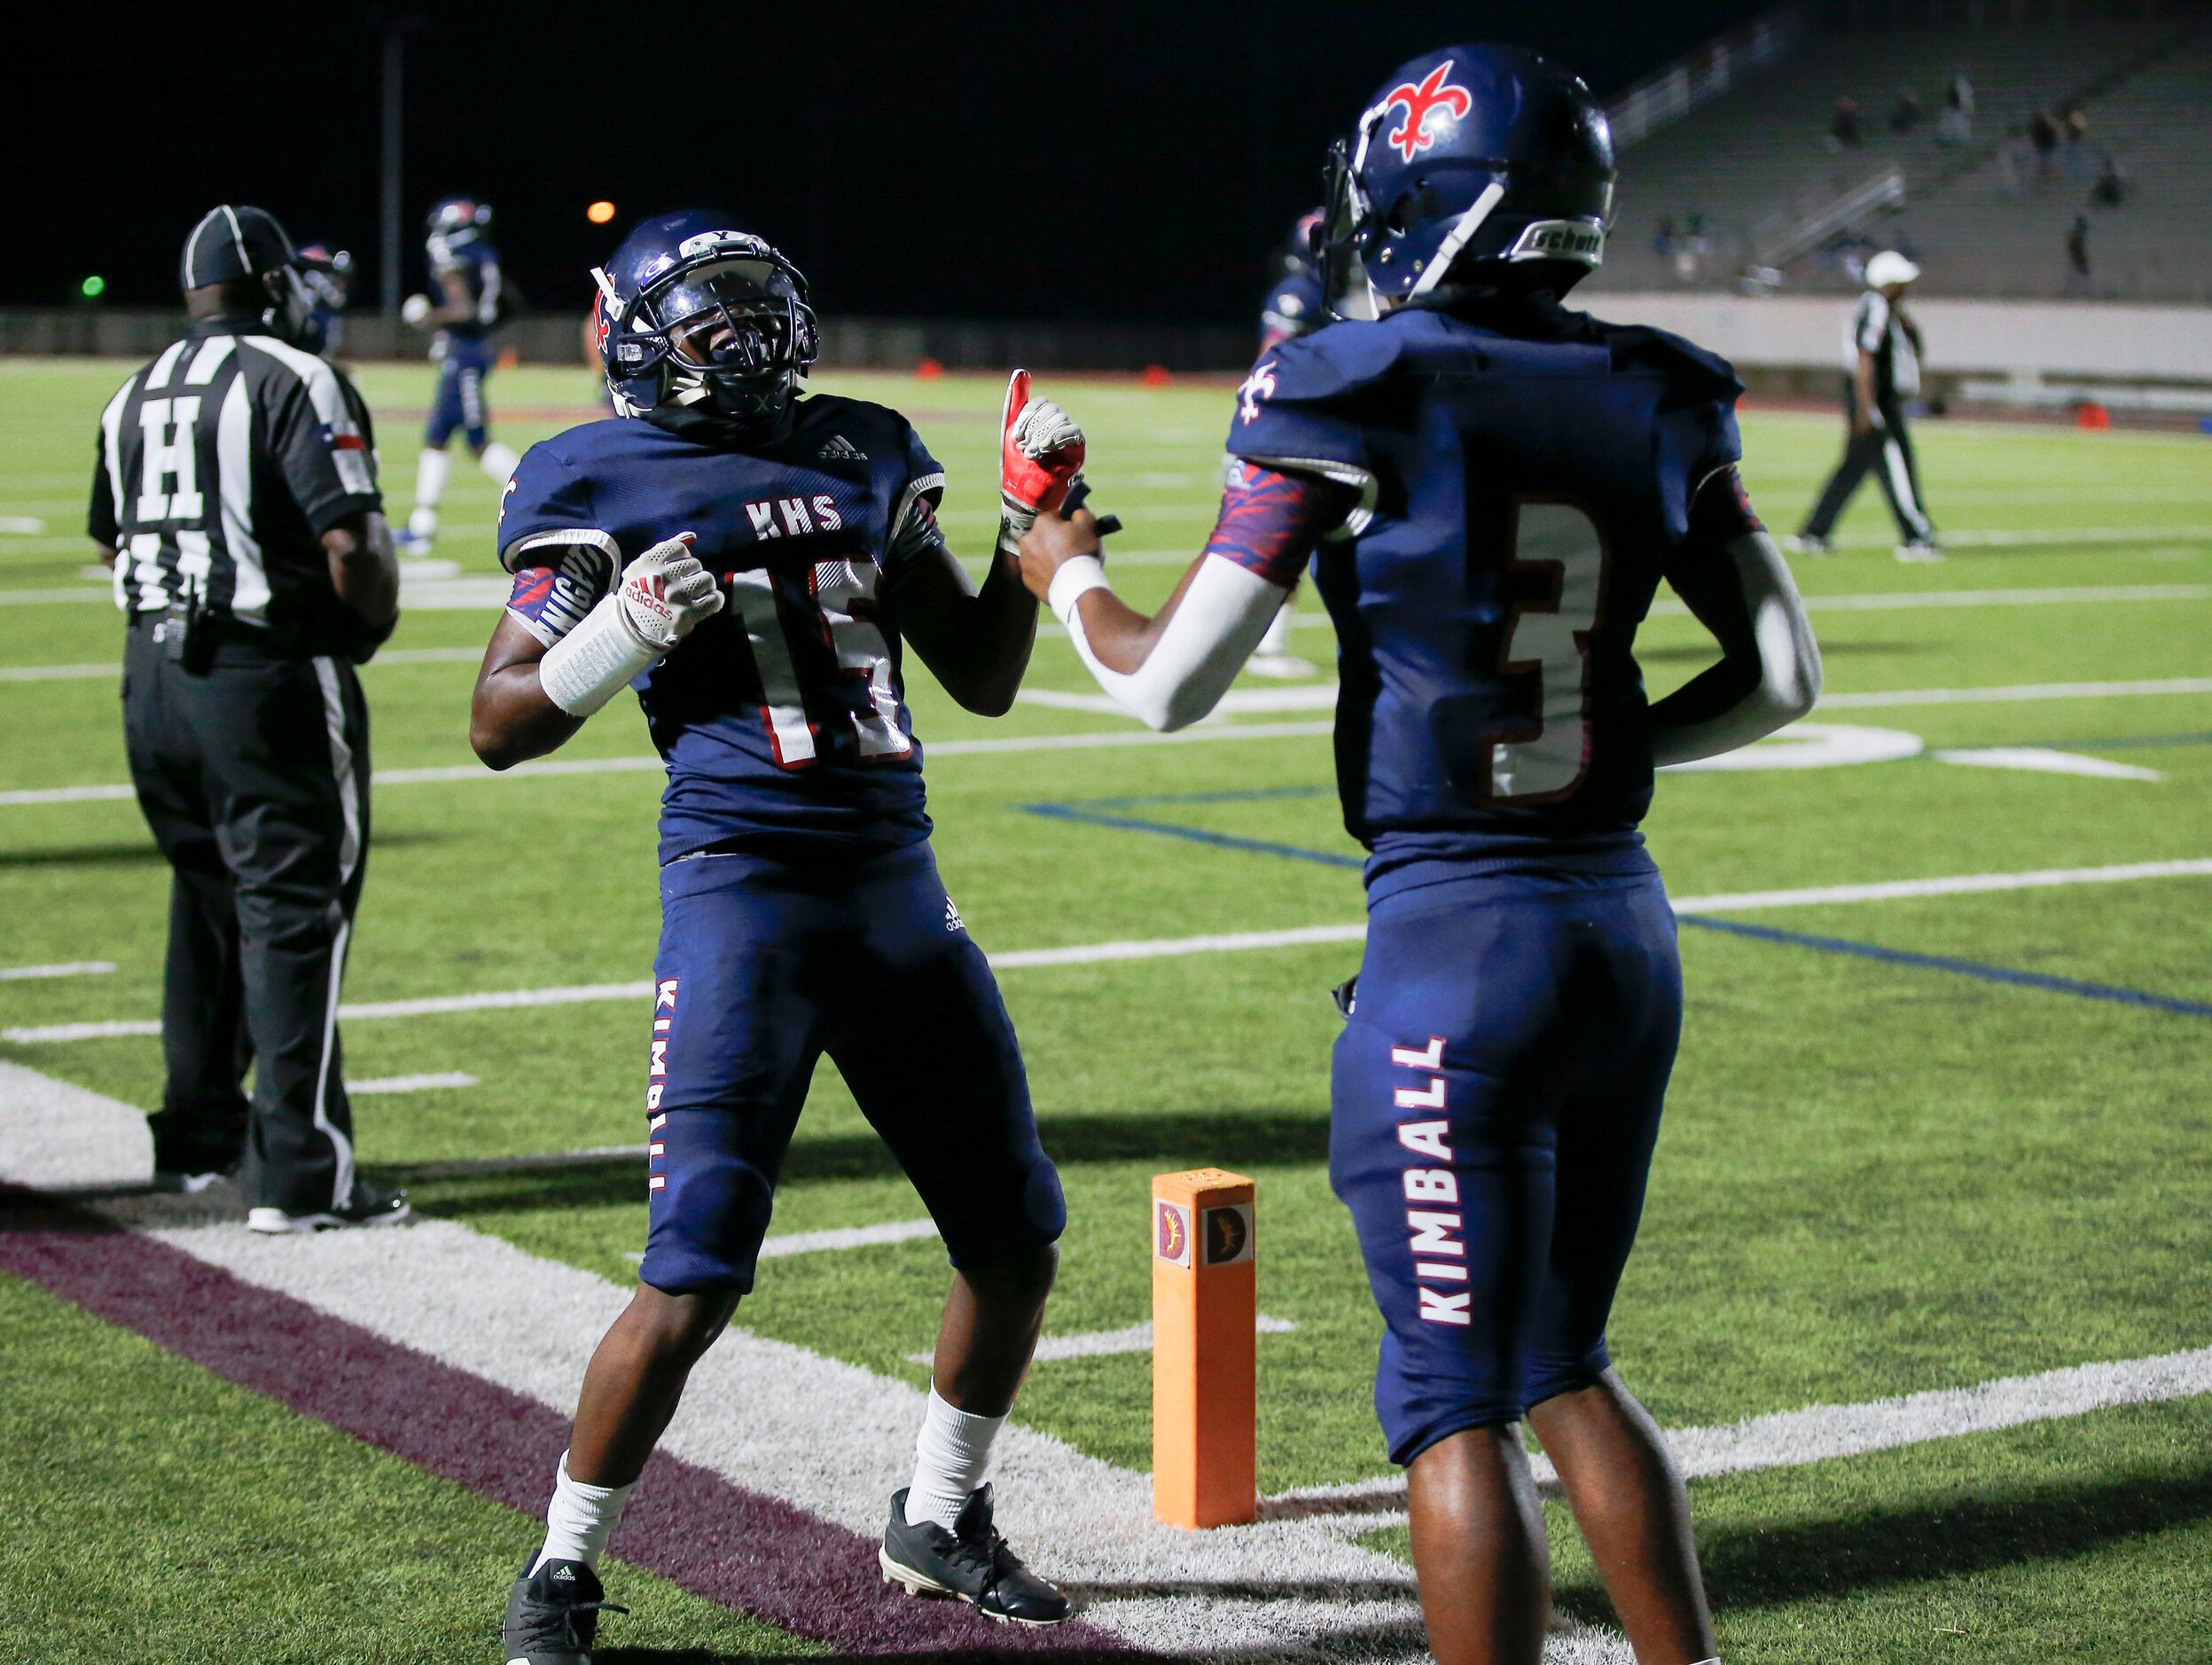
point(665, 591)
point(655, 602)
point(1040, 458)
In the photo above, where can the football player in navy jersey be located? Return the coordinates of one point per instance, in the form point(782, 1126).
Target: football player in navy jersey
point(753, 563)
point(1496, 488)
point(473, 299)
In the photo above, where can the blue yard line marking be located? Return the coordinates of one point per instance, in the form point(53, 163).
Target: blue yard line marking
point(1196, 835)
point(1084, 812)
point(1959, 967)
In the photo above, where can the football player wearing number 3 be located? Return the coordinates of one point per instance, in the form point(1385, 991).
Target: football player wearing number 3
point(1495, 486)
point(752, 562)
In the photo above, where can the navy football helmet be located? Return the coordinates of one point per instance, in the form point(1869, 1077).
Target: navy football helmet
point(1474, 167)
point(693, 314)
point(458, 220)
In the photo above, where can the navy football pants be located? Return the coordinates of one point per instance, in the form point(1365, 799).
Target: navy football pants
point(764, 966)
point(1496, 1099)
point(458, 400)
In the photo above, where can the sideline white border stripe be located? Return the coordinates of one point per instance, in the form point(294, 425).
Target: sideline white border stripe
point(2029, 691)
point(824, 1436)
point(64, 968)
point(1225, 942)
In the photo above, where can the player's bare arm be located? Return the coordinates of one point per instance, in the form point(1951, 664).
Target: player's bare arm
point(1736, 584)
point(364, 568)
point(1172, 668)
point(975, 642)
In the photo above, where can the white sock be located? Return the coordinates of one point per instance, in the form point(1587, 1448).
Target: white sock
point(949, 1457)
point(579, 1519)
point(430, 473)
point(498, 463)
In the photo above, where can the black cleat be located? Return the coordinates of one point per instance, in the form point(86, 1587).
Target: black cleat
point(553, 1614)
point(970, 1563)
point(367, 1205)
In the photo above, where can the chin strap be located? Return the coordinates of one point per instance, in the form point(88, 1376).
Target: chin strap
point(1456, 239)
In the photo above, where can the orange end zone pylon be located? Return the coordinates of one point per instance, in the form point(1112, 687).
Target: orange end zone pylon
point(1205, 1415)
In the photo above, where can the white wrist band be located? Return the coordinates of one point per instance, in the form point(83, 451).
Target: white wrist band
point(1076, 578)
point(595, 661)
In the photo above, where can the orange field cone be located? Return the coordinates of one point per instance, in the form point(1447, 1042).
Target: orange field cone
point(1205, 1306)
point(1155, 376)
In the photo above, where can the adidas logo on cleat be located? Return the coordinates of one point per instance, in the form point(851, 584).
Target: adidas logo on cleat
point(841, 450)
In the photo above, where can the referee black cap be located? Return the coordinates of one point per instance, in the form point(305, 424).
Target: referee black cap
point(230, 242)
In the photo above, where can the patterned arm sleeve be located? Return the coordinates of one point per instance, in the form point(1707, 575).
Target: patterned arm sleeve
point(549, 600)
point(1270, 520)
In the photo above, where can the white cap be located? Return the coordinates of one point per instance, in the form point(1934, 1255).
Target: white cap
point(1889, 266)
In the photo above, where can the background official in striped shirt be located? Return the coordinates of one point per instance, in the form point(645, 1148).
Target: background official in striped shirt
point(1881, 370)
point(236, 499)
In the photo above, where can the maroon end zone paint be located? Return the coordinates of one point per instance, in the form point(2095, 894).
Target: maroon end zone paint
point(736, 1547)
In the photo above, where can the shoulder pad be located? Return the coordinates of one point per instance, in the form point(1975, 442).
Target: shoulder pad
point(1329, 362)
point(1693, 372)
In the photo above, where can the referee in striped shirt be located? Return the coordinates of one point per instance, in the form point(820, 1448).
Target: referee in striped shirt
point(236, 498)
point(1881, 369)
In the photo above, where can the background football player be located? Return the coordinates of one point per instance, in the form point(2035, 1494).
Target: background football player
point(752, 562)
point(472, 300)
point(1495, 486)
point(328, 274)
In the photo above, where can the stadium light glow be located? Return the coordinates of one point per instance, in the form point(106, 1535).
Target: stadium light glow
point(94, 287)
point(600, 213)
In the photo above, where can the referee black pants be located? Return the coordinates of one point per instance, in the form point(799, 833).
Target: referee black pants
point(1885, 451)
point(253, 776)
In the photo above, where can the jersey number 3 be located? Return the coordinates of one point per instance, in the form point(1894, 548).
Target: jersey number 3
point(1558, 549)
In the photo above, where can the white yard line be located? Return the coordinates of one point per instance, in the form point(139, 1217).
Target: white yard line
point(1819, 1434)
point(1178, 946)
point(2031, 691)
point(780, 1244)
point(1131, 1337)
point(1885, 601)
point(446, 773)
point(2045, 760)
point(1321, 695)
point(429, 1083)
point(64, 968)
point(1312, 697)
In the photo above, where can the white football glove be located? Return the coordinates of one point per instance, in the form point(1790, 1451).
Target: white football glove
point(415, 308)
point(665, 591)
point(660, 598)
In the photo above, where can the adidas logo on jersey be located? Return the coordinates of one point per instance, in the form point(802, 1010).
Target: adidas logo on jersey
point(952, 916)
point(841, 450)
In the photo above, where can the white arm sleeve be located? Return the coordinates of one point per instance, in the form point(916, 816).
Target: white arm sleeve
point(1221, 619)
point(1789, 661)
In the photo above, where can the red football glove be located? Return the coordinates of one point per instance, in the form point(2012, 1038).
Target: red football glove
point(1040, 456)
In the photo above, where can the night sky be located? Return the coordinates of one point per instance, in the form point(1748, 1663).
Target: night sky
point(1135, 162)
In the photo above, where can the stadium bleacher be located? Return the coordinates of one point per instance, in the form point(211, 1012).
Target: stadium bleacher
point(1745, 170)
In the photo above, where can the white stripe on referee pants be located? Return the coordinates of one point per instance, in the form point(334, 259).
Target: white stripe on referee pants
point(348, 858)
point(1901, 484)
